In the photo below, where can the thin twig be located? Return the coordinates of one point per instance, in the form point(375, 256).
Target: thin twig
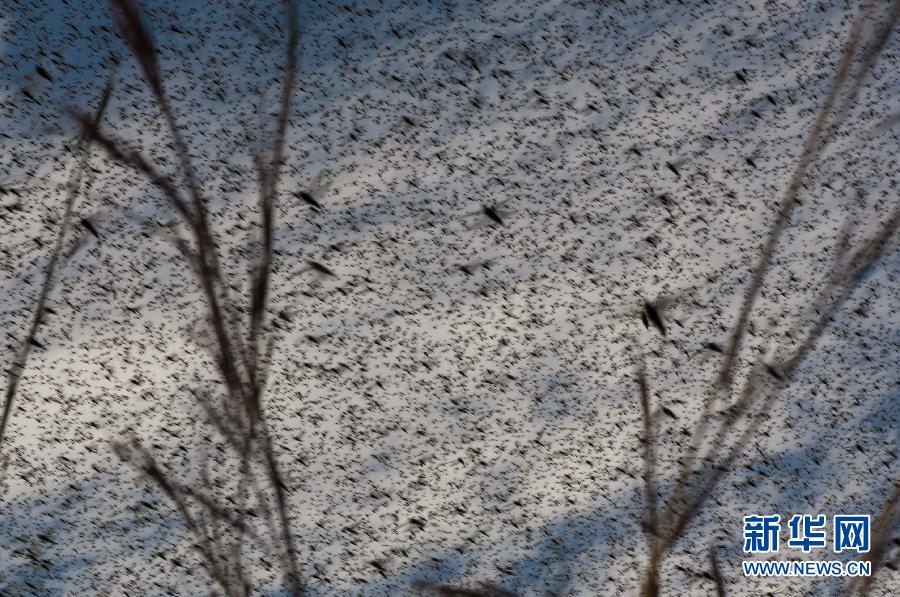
point(716, 573)
point(847, 273)
point(72, 187)
point(652, 525)
point(808, 154)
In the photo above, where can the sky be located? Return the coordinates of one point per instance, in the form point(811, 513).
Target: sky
point(475, 375)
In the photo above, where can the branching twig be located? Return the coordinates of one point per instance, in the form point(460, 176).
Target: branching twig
point(742, 418)
point(72, 187)
point(240, 417)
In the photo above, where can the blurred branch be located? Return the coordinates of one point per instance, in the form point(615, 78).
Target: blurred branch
point(651, 525)
point(441, 590)
point(808, 154)
point(72, 187)
point(239, 418)
point(741, 419)
point(883, 530)
point(716, 573)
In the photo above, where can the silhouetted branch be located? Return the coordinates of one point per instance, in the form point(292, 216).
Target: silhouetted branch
point(883, 531)
point(240, 417)
point(442, 590)
point(742, 418)
point(716, 573)
point(651, 587)
point(72, 187)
